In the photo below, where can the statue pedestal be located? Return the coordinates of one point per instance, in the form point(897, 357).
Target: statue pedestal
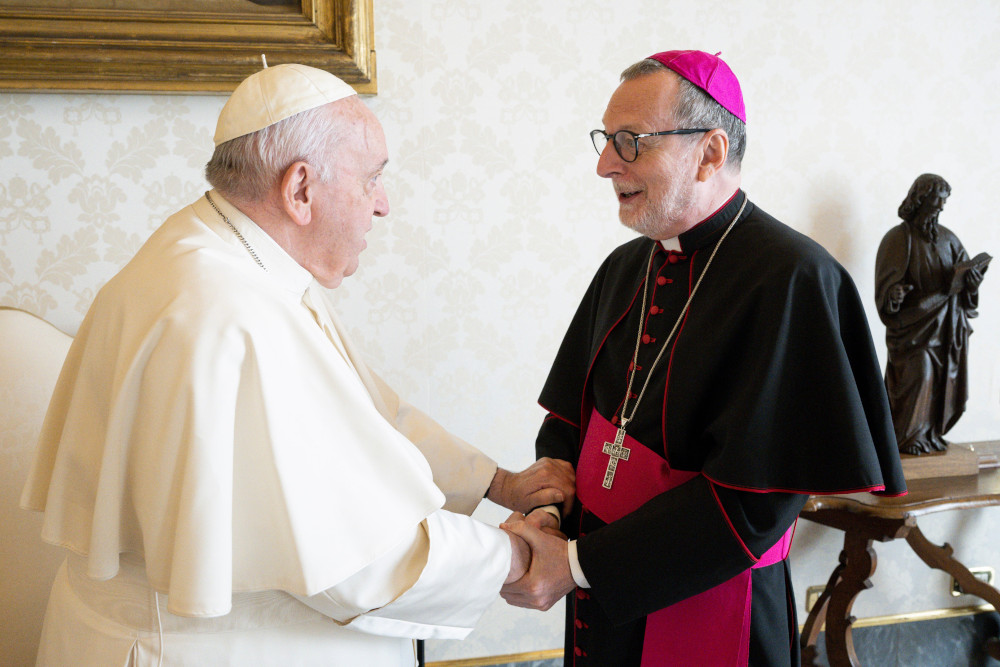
point(958, 460)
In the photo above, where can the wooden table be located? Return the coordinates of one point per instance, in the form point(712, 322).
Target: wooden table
point(865, 518)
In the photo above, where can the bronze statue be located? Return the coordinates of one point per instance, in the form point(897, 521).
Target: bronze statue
point(926, 290)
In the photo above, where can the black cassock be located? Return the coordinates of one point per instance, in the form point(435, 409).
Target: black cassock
point(771, 389)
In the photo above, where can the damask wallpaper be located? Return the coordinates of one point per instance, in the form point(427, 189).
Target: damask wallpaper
point(498, 219)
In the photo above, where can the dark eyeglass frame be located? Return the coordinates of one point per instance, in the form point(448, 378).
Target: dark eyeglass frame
point(613, 139)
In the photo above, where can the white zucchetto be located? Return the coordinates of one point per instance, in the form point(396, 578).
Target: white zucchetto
point(276, 93)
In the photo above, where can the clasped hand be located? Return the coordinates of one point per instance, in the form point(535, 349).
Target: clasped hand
point(545, 482)
point(540, 573)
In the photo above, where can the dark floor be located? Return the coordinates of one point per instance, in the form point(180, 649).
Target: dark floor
point(946, 642)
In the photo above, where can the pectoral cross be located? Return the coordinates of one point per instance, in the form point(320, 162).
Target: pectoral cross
point(617, 451)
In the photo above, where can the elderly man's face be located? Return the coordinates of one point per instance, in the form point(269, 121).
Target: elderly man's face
point(346, 204)
point(656, 190)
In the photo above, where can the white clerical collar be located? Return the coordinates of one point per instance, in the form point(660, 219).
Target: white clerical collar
point(673, 243)
point(278, 263)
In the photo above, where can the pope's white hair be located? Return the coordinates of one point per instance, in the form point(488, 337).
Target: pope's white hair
point(247, 168)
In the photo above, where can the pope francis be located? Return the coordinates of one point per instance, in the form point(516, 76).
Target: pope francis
point(234, 486)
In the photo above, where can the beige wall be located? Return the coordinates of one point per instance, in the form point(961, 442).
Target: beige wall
point(498, 220)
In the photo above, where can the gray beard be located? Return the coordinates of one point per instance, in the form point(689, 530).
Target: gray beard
point(651, 223)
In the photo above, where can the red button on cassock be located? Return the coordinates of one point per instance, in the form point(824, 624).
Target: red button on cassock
point(646, 338)
point(661, 281)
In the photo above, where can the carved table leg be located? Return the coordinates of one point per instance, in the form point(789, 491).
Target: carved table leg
point(858, 560)
point(816, 618)
point(940, 558)
point(853, 575)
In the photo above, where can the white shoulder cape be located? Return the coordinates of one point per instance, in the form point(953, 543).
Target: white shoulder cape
point(204, 422)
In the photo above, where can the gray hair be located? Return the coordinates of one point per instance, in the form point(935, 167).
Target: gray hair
point(696, 108)
point(247, 167)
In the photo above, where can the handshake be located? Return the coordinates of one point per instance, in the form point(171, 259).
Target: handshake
point(539, 569)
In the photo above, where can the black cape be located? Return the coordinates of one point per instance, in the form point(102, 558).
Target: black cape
point(771, 389)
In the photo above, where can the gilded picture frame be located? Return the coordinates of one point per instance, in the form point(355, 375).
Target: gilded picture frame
point(162, 48)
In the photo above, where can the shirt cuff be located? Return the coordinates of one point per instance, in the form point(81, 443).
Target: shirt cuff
point(553, 510)
point(574, 566)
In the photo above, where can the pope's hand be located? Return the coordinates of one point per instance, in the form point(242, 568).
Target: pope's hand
point(548, 577)
point(545, 482)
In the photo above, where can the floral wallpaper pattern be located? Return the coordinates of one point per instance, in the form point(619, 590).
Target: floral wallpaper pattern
point(498, 219)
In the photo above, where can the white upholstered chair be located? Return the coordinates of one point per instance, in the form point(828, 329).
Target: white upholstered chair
point(31, 353)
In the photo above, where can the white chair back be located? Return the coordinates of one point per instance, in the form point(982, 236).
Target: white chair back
point(32, 352)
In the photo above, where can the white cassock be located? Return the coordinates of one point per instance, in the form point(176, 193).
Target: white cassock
point(236, 486)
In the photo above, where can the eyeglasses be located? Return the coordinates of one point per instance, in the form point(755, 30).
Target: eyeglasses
point(627, 143)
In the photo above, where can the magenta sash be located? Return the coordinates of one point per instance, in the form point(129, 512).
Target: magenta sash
point(708, 629)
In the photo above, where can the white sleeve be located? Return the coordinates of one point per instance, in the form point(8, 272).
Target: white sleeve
point(434, 586)
point(462, 472)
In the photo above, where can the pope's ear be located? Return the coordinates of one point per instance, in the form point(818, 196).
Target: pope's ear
point(715, 149)
point(296, 192)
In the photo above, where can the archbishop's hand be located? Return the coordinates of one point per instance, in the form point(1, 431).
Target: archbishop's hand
point(548, 578)
point(545, 482)
point(544, 520)
point(520, 553)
